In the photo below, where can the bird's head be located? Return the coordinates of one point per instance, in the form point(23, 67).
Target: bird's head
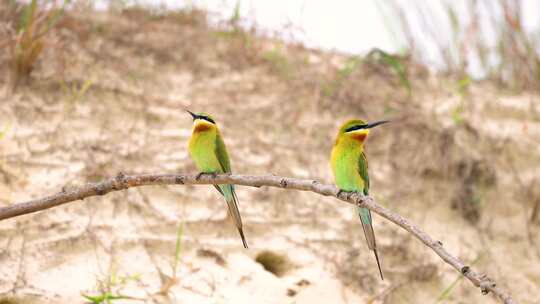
point(202, 121)
point(358, 129)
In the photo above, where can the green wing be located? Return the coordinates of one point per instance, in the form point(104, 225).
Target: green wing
point(363, 170)
point(364, 213)
point(222, 156)
point(228, 190)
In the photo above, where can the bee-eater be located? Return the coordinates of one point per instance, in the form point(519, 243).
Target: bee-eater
point(350, 167)
point(208, 150)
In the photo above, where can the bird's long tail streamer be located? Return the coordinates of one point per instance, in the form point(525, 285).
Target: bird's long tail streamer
point(232, 203)
point(365, 218)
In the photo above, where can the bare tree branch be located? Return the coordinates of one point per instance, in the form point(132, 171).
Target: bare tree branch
point(122, 182)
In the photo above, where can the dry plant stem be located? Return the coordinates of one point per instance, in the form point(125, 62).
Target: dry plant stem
point(122, 182)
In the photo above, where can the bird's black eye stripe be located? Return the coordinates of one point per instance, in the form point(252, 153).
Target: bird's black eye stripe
point(356, 127)
point(207, 119)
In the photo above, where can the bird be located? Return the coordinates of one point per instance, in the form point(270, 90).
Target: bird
point(350, 168)
point(208, 151)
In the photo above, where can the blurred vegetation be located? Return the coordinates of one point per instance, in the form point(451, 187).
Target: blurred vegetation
point(76, 91)
point(447, 292)
point(485, 36)
point(167, 282)
point(110, 288)
point(28, 27)
point(279, 62)
point(395, 63)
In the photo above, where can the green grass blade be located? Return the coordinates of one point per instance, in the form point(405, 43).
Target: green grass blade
point(106, 297)
point(27, 16)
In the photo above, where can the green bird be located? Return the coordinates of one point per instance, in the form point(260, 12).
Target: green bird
point(207, 149)
point(350, 168)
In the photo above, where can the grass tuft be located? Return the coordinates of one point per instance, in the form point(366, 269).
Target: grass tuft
point(485, 38)
point(394, 63)
point(34, 23)
point(110, 288)
point(75, 91)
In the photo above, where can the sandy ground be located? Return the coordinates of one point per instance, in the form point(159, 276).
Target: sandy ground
point(462, 165)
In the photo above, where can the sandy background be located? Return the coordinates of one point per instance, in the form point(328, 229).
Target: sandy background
point(463, 165)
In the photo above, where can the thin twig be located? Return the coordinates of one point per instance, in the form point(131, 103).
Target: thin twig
point(122, 182)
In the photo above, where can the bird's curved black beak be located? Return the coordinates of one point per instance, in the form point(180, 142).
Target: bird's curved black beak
point(374, 124)
point(195, 116)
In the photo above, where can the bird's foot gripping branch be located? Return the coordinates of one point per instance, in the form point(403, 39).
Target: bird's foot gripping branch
point(122, 182)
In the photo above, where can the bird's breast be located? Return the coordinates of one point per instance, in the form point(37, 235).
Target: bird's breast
point(344, 161)
point(202, 150)
point(201, 140)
